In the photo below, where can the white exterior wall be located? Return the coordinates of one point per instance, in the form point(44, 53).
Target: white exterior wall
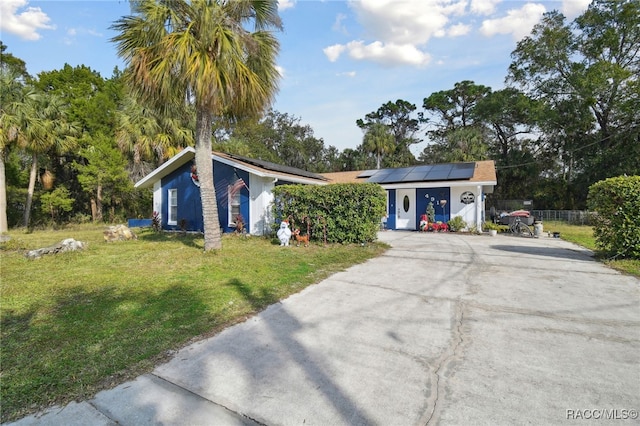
point(260, 207)
point(157, 198)
point(470, 213)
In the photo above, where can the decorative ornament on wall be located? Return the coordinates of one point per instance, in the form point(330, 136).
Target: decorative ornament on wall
point(467, 197)
point(194, 176)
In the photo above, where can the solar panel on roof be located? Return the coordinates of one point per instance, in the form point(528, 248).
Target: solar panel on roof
point(439, 172)
point(380, 175)
point(428, 172)
point(367, 173)
point(397, 175)
point(462, 171)
point(414, 176)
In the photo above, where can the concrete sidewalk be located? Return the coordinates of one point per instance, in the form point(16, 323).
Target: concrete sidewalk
point(444, 329)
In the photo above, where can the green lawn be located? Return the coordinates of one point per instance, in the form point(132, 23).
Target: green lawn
point(583, 235)
point(75, 323)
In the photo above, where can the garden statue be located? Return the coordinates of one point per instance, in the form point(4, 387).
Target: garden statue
point(284, 233)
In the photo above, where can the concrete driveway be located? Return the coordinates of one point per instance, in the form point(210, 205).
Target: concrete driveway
point(442, 329)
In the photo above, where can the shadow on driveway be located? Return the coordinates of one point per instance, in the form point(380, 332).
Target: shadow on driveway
point(559, 252)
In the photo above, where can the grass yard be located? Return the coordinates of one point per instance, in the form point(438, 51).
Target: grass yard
point(75, 323)
point(583, 235)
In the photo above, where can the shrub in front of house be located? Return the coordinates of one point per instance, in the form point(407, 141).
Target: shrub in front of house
point(616, 203)
point(346, 213)
point(456, 224)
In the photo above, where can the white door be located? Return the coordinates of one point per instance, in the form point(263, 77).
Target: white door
point(406, 209)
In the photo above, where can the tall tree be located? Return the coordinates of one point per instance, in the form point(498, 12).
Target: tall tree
point(220, 55)
point(398, 117)
point(42, 126)
point(10, 91)
point(280, 138)
point(148, 137)
point(515, 141)
point(91, 101)
point(12, 63)
point(586, 73)
point(378, 140)
point(451, 109)
point(102, 173)
point(13, 74)
point(454, 132)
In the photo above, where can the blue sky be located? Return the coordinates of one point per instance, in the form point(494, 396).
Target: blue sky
point(339, 59)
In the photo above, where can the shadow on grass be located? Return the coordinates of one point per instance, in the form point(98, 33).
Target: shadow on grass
point(188, 239)
point(83, 340)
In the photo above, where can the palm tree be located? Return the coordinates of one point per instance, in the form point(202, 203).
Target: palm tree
point(379, 141)
point(41, 126)
point(10, 91)
point(148, 138)
point(217, 54)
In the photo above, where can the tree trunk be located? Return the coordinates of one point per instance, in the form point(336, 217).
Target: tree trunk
point(94, 213)
point(4, 227)
point(31, 189)
point(99, 215)
point(204, 164)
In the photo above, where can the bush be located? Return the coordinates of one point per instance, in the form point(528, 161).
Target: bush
point(616, 203)
point(457, 224)
point(350, 213)
point(488, 226)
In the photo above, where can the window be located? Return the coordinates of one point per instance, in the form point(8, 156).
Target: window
point(172, 217)
point(234, 205)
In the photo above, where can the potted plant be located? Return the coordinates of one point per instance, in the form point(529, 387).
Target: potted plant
point(493, 228)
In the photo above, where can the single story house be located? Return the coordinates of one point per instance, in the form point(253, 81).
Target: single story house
point(244, 187)
point(454, 189)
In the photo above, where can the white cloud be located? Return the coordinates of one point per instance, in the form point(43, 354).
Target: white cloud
point(398, 31)
point(413, 22)
point(334, 52)
point(280, 70)
point(387, 54)
point(458, 30)
point(572, 8)
point(24, 24)
point(285, 4)
point(484, 7)
point(518, 22)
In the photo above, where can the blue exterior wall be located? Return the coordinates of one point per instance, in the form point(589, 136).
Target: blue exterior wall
point(223, 176)
point(391, 220)
point(190, 204)
point(424, 195)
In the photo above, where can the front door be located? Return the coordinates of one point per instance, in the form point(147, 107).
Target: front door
point(406, 209)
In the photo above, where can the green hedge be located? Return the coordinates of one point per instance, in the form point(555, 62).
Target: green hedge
point(616, 203)
point(350, 213)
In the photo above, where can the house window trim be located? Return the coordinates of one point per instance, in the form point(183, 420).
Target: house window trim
point(172, 195)
point(230, 198)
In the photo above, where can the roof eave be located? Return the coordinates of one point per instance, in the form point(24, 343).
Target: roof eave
point(171, 165)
